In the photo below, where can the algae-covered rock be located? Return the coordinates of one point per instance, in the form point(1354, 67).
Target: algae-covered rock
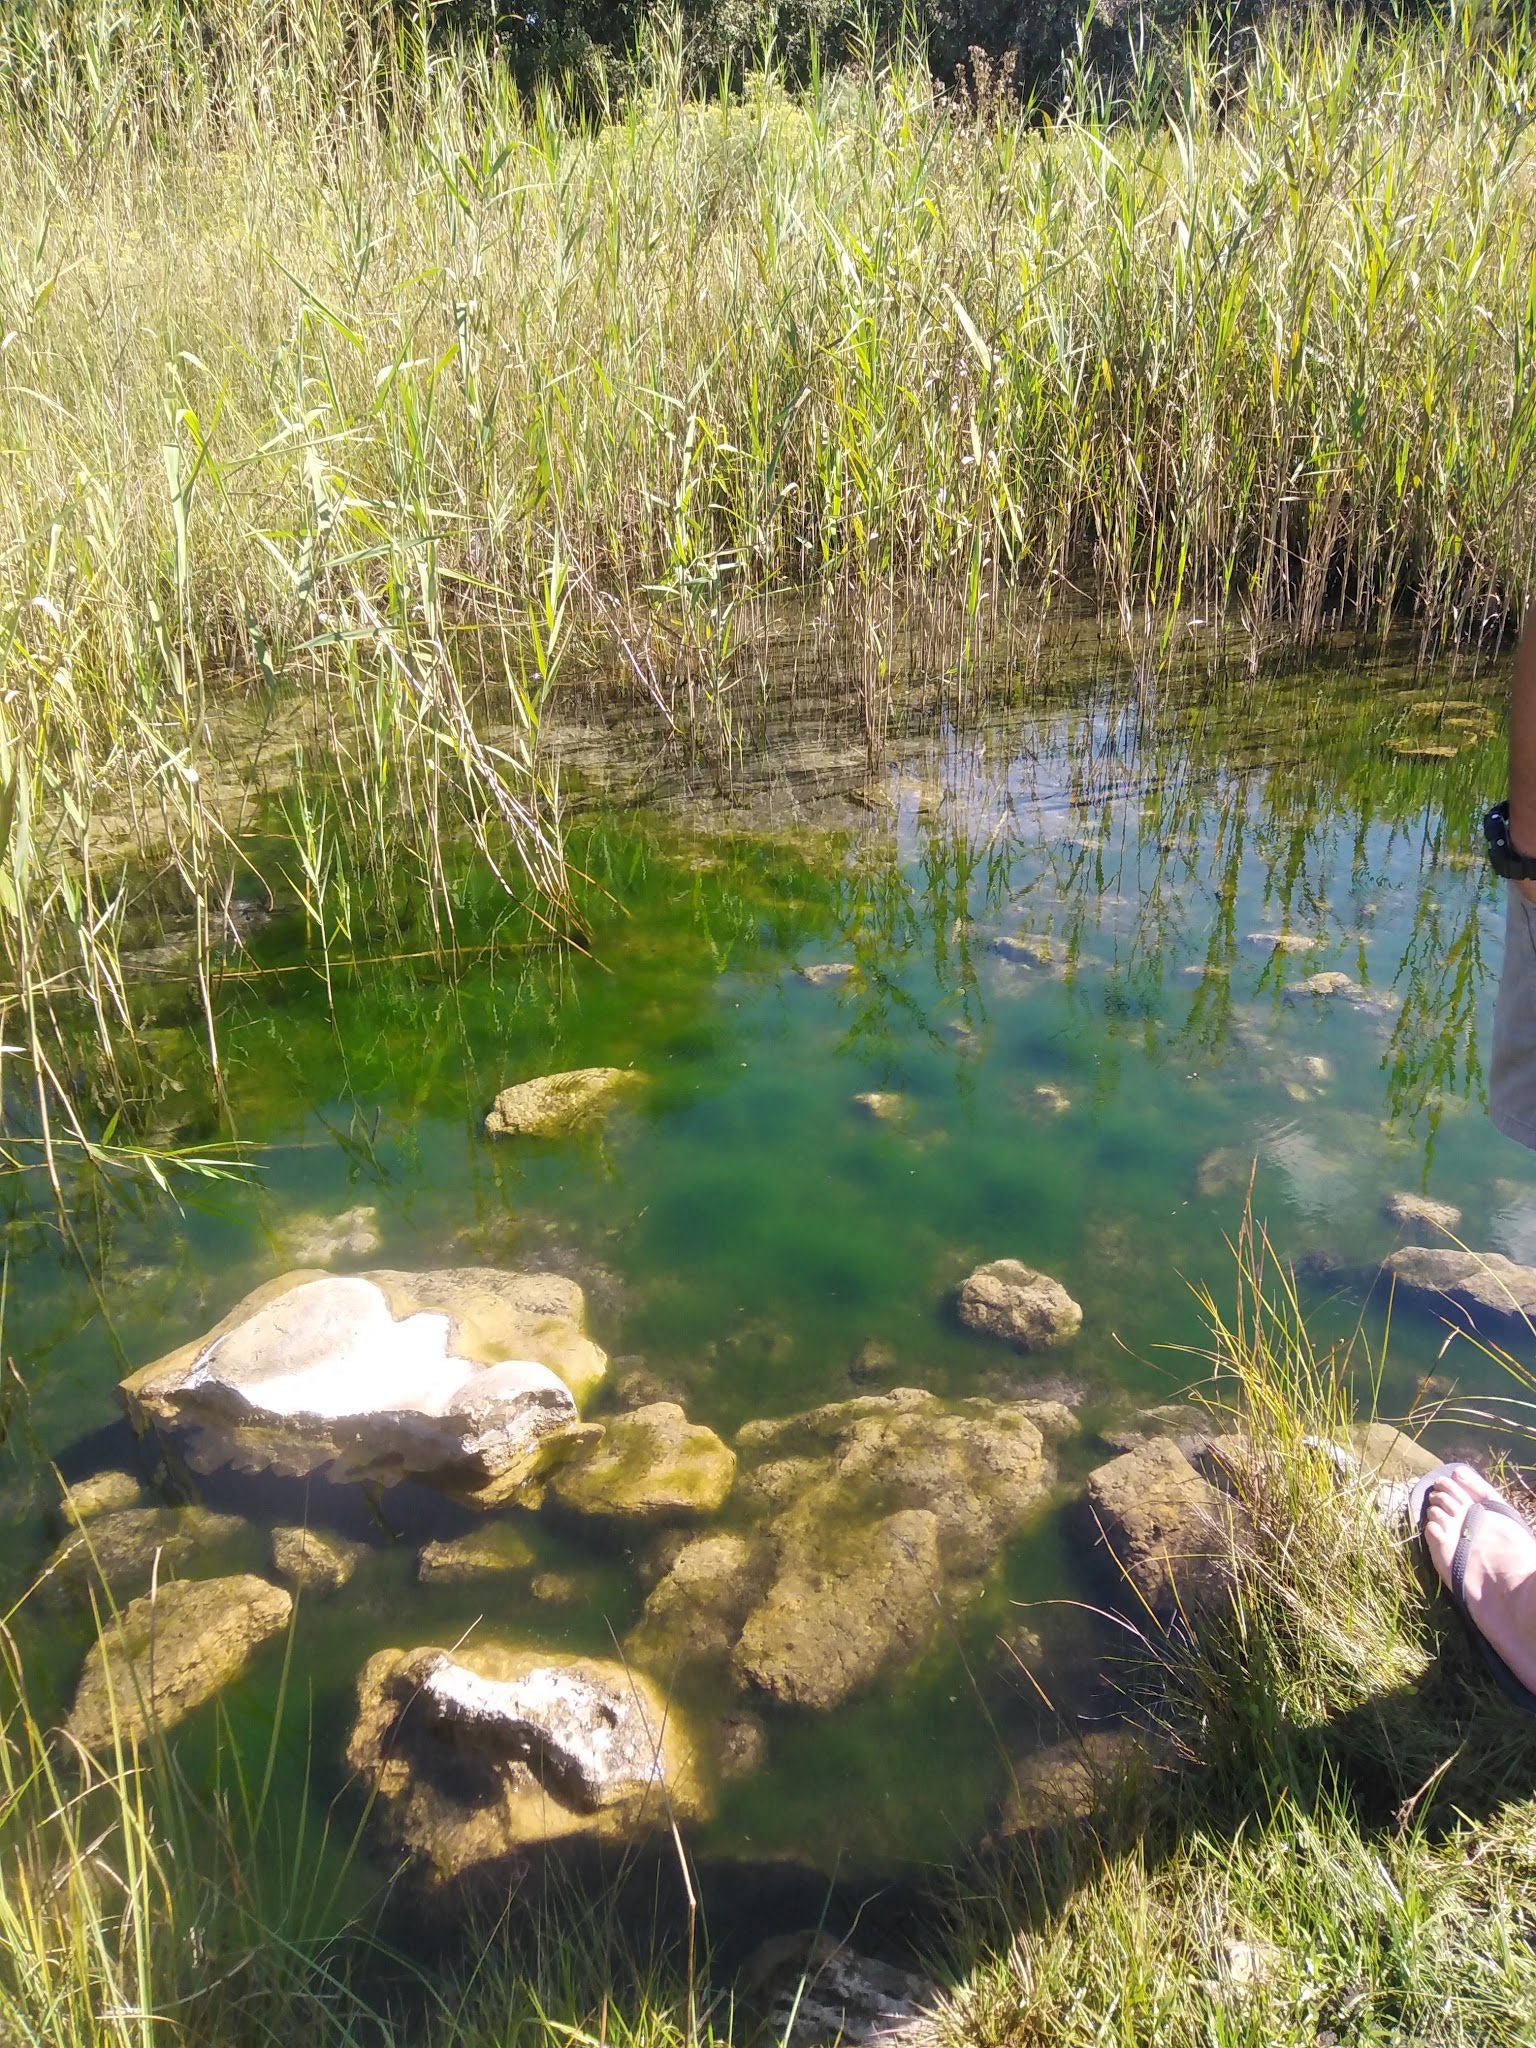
point(1483, 1288)
point(1168, 1530)
point(466, 1379)
point(556, 1104)
point(741, 1746)
point(863, 1520)
point(650, 1465)
point(1013, 1302)
point(103, 1493)
point(121, 1547)
point(694, 1612)
point(828, 973)
point(170, 1651)
point(483, 1553)
point(475, 1757)
point(846, 1605)
point(318, 1560)
point(1071, 1781)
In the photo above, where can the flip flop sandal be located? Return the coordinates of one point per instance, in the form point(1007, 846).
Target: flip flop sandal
point(1418, 1502)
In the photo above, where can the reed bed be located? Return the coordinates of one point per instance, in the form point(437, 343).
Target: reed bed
point(351, 400)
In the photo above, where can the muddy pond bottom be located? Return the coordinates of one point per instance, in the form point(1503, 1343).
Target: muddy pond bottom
point(1055, 988)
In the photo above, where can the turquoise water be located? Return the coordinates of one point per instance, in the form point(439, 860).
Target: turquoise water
point(745, 1228)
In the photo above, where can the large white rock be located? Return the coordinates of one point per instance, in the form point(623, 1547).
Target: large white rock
point(465, 1379)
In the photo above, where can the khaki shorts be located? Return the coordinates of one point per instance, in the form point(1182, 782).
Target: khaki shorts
point(1512, 1070)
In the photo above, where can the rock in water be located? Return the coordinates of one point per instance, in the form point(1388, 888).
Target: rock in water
point(318, 1560)
point(651, 1465)
point(1419, 1212)
point(169, 1652)
point(1333, 985)
point(869, 1519)
point(315, 1239)
point(815, 1993)
point(1023, 950)
point(482, 1554)
point(557, 1103)
point(846, 1605)
point(828, 973)
point(884, 1105)
point(478, 1756)
point(1483, 1286)
point(1026, 1309)
point(104, 1493)
point(121, 1547)
point(694, 1612)
point(1169, 1531)
point(1071, 1781)
point(1281, 942)
point(464, 1379)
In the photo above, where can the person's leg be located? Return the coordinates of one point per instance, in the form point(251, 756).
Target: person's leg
point(1512, 1067)
point(1499, 1587)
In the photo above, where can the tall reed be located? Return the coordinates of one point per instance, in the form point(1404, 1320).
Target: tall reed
point(350, 400)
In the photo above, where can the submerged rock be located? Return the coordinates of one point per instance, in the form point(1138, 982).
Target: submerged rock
point(828, 973)
point(650, 1465)
point(814, 1992)
point(883, 1105)
point(169, 1652)
point(871, 1519)
point(120, 1547)
point(1168, 1530)
point(484, 1553)
point(475, 1757)
point(1224, 1171)
point(695, 1611)
point(1281, 942)
point(1049, 1097)
point(1483, 1286)
point(742, 1746)
point(1332, 985)
point(1419, 1212)
point(1023, 950)
point(556, 1104)
point(1013, 1302)
point(846, 1605)
point(104, 1493)
point(318, 1560)
point(1071, 1781)
point(315, 1239)
point(874, 1360)
point(465, 1379)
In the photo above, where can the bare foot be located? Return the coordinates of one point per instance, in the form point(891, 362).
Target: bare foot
point(1499, 1586)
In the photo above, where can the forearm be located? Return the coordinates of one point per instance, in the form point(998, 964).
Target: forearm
point(1522, 741)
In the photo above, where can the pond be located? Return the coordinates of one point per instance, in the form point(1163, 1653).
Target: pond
point(754, 1241)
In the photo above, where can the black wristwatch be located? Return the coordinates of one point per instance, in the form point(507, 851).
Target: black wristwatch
point(1502, 857)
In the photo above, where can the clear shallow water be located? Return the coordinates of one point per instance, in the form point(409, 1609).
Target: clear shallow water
point(745, 1229)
